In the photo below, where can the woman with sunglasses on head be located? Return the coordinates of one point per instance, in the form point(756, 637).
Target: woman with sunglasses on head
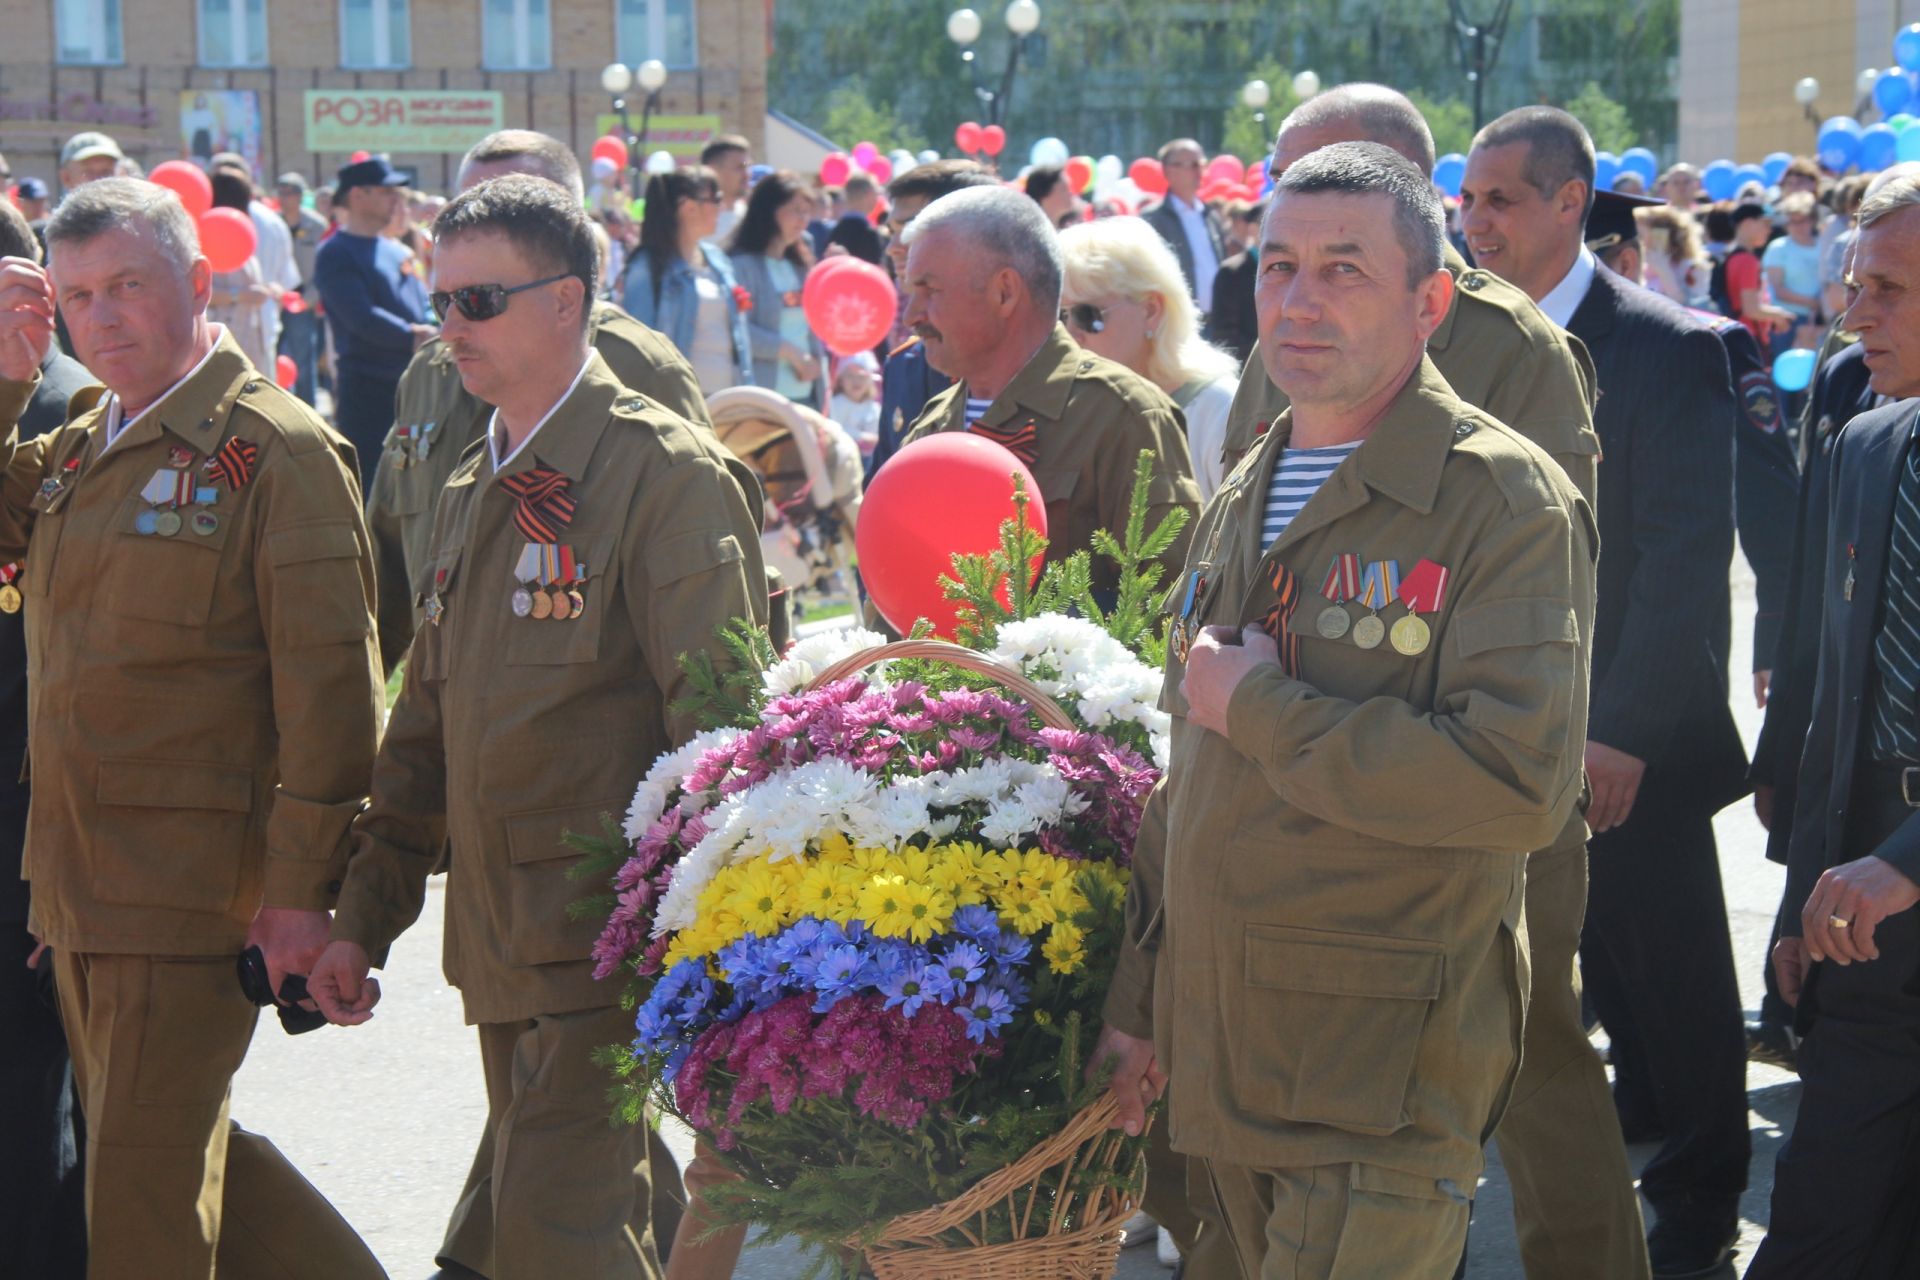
point(771, 257)
point(1124, 298)
point(684, 286)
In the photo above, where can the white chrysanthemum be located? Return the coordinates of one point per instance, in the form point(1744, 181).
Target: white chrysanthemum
point(726, 827)
point(668, 772)
point(809, 657)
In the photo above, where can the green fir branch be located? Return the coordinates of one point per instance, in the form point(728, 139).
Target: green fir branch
point(727, 693)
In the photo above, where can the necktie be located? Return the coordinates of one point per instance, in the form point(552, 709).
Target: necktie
point(1896, 650)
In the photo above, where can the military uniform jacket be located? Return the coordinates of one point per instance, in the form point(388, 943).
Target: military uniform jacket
point(1324, 922)
point(1090, 418)
point(435, 419)
point(511, 731)
point(203, 704)
point(1497, 350)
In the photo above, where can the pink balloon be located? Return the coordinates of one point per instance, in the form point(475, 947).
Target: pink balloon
point(835, 169)
point(1226, 169)
point(852, 308)
point(611, 148)
point(863, 154)
point(186, 181)
point(967, 137)
point(881, 169)
point(227, 238)
point(1148, 176)
point(993, 139)
point(285, 371)
point(358, 156)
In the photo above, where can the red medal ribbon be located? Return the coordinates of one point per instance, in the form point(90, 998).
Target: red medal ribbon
point(1278, 620)
point(544, 507)
point(1022, 442)
point(8, 572)
point(232, 463)
point(566, 565)
point(1343, 578)
point(1424, 589)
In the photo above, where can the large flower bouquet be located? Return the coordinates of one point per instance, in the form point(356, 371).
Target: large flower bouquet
point(867, 922)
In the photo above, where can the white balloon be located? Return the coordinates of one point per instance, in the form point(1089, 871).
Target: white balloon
point(902, 159)
point(660, 162)
point(929, 156)
point(1108, 169)
point(603, 167)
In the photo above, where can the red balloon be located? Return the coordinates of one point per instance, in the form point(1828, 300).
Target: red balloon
point(993, 139)
point(611, 148)
point(946, 494)
point(227, 238)
point(835, 169)
point(880, 169)
point(285, 371)
point(186, 181)
point(969, 136)
point(852, 309)
point(1226, 169)
point(1079, 174)
point(1148, 176)
point(358, 156)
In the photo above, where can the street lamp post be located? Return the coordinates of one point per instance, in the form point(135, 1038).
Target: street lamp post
point(1479, 44)
point(1806, 92)
point(964, 27)
point(1255, 95)
point(617, 79)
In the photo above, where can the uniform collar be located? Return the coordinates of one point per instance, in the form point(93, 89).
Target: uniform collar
point(570, 433)
point(195, 408)
point(1043, 385)
point(1456, 267)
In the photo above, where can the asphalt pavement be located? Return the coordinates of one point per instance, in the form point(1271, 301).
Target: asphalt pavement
point(383, 1118)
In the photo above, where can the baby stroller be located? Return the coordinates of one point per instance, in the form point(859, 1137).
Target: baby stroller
point(810, 476)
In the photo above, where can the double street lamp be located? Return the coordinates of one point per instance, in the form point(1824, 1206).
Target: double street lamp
point(964, 27)
point(617, 79)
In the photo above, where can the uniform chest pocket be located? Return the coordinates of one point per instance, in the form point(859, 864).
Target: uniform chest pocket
point(1056, 488)
point(557, 633)
point(169, 574)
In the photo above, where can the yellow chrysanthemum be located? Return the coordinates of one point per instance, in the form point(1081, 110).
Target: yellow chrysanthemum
point(761, 899)
point(829, 892)
point(959, 881)
point(884, 905)
point(1065, 948)
point(1027, 908)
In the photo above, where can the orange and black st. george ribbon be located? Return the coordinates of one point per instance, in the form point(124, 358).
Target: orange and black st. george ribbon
point(1277, 621)
point(233, 462)
point(1022, 442)
point(542, 505)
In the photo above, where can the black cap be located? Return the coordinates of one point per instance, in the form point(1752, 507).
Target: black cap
point(368, 173)
point(1610, 221)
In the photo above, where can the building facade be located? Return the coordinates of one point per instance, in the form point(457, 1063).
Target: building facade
point(1740, 60)
point(302, 84)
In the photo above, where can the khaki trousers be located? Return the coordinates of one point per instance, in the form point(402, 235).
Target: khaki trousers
point(1574, 1205)
point(1339, 1222)
point(171, 1184)
point(555, 1188)
point(1180, 1198)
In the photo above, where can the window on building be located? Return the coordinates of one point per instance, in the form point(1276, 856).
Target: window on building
point(374, 33)
point(88, 30)
point(233, 33)
point(660, 29)
point(518, 35)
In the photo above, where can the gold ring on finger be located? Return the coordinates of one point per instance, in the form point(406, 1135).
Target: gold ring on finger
point(1839, 922)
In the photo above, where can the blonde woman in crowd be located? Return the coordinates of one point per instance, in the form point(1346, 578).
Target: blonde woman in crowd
point(1676, 261)
point(1124, 298)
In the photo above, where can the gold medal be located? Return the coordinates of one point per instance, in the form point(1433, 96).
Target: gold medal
point(1411, 636)
point(167, 523)
point(562, 606)
point(1369, 631)
point(542, 605)
point(1334, 622)
point(9, 599)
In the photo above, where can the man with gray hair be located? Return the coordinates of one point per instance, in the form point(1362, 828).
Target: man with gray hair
point(204, 710)
point(1377, 684)
point(983, 281)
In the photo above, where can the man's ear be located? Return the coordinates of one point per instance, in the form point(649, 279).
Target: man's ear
point(1432, 297)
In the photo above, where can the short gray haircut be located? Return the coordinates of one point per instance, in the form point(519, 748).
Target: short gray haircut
point(1009, 229)
point(1384, 115)
point(133, 203)
point(1559, 149)
point(1371, 168)
point(529, 152)
point(1901, 192)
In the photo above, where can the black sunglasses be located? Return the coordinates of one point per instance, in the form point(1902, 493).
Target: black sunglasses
point(1085, 317)
point(484, 301)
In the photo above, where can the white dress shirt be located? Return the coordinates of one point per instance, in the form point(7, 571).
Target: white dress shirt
point(1206, 263)
point(1565, 298)
point(495, 435)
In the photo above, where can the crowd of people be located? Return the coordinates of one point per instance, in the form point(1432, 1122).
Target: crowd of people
point(1385, 888)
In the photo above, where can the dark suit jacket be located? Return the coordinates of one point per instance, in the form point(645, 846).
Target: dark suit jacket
point(1858, 512)
point(1165, 219)
point(1661, 631)
point(1231, 322)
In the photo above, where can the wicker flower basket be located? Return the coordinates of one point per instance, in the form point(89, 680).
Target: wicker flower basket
point(1056, 1212)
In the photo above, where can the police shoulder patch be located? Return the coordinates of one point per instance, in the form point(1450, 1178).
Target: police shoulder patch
point(1759, 401)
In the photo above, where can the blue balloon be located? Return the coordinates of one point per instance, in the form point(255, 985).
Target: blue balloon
point(1839, 150)
point(1908, 146)
point(1793, 370)
point(1606, 167)
point(1749, 173)
point(1879, 147)
point(1717, 180)
point(1892, 92)
point(1775, 166)
point(1641, 161)
point(1906, 48)
point(1448, 171)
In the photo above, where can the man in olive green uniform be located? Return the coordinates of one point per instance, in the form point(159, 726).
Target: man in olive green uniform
point(1388, 608)
point(435, 418)
point(582, 545)
point(203, 707)
point(983, 294)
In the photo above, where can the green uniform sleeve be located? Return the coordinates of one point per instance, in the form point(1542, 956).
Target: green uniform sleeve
point(1129, 1002)
point(394, 609)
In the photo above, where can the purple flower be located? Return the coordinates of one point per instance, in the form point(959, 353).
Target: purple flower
point(986, 1010)
point(907, 991)
point(952, 973)
point(977, 922)
point(836, 976)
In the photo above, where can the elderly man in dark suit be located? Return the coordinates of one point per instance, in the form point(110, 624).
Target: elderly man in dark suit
point(1662, 752)
point(1849, 948)
point(1183, 220)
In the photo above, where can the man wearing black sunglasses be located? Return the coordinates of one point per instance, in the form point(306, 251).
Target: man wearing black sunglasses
point(588, 541)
